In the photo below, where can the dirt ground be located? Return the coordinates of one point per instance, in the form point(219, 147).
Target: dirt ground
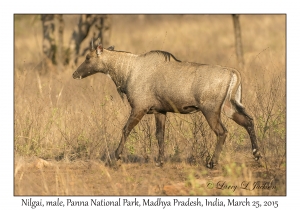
point(39, 177)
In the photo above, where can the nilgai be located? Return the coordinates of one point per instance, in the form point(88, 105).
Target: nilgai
point(156, 83)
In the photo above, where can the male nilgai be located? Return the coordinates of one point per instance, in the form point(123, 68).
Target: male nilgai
point(157, 83)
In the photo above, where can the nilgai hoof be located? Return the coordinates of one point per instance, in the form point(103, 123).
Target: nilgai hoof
point(210, 165)
point(159, 164)
point(115, 163)
point(209, 162)
point(256, 154)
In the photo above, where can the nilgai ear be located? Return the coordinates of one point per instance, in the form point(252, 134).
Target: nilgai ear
point(111, 48)
point(99, 49)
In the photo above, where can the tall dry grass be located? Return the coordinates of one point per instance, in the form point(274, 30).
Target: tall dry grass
point(64, 120)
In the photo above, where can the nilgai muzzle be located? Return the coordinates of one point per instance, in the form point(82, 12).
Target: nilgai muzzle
point(157, 83)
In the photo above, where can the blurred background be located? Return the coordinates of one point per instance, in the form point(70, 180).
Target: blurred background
point(59, 119)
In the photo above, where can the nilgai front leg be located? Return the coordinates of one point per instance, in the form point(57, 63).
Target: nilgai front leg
point(133, 120)
point(160, 120)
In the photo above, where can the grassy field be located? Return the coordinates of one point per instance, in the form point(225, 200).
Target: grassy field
point(65, 130)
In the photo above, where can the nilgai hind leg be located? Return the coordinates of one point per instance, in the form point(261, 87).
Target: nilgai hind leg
point(237, 113)
point(214, 120)
point(243, 119)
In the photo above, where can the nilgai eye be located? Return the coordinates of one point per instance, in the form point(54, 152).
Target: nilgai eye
point(88, 57)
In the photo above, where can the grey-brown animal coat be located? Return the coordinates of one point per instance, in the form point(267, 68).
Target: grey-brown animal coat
point(157, 83)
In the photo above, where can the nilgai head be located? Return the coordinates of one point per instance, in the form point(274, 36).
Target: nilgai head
point(94, 63)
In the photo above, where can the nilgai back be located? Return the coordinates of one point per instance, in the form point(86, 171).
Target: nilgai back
point(156, 83)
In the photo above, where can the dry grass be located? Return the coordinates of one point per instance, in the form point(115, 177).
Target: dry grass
point(39, 177)
point(65, 129)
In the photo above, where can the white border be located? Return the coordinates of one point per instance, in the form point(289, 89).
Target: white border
point(8, 8)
